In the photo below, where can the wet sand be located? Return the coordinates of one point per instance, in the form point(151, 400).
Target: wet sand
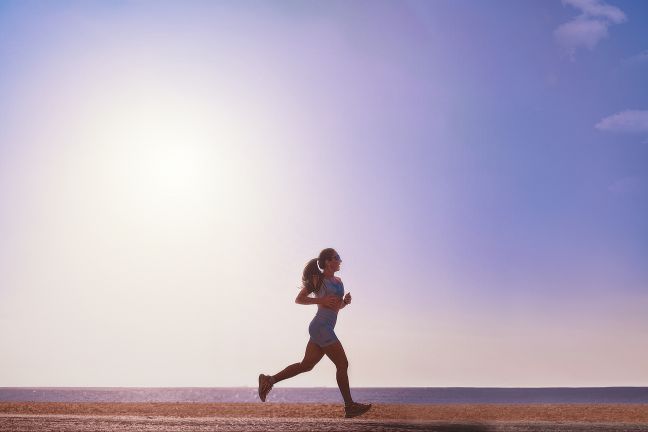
point(252, 417)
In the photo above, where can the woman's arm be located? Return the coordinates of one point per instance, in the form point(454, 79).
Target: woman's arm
point(302, 298)
point(330, 301)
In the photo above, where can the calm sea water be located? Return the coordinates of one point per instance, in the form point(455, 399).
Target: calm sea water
point(405, 395)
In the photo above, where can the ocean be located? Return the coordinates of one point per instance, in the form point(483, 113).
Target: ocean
point(385, 395)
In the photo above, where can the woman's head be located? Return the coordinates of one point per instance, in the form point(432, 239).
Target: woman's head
point(330, 259)
point(312, 275)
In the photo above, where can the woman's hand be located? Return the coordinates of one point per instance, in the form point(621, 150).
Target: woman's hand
point(347, 299)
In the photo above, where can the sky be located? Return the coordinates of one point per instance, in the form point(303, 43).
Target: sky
point(168, 168)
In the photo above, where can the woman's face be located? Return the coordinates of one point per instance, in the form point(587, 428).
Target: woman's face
point(334, 262)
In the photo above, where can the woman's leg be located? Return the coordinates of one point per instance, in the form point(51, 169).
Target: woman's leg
point(337, 355)
point(313, 355)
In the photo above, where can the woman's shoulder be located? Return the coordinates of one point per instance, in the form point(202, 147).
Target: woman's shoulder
point(335, 280)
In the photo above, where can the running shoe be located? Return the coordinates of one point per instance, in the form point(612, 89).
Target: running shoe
point(264, 386)
point(355, 409)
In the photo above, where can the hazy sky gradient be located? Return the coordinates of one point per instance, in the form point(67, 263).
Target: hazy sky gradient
point(167, 169)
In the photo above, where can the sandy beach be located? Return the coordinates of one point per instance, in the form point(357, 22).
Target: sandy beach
point(31, 416)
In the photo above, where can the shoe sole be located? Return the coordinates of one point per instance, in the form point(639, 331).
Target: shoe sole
point(260, 385)
point(358, 413)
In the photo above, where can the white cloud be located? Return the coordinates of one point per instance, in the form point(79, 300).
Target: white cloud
point(641, 58)
point(581, 32)
point(588, 28)
point(597, 8)
point(625, 121)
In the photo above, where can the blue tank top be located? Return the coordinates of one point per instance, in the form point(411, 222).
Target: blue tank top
point(329, 287)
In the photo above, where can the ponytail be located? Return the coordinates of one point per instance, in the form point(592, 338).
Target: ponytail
point(311, 269)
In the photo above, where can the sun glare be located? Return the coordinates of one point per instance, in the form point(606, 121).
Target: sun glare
point(162, 157)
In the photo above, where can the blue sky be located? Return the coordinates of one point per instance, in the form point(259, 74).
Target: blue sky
point(167, 168)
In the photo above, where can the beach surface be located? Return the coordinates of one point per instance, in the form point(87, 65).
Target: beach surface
point(32, 416)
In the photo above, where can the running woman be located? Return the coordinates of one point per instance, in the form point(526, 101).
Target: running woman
point(329, 298)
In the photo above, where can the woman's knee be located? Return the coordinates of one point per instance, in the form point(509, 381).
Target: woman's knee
point(343, 366)
point(338, 356)
point(307, 366)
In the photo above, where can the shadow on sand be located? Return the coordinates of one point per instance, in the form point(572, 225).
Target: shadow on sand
point(428, 427)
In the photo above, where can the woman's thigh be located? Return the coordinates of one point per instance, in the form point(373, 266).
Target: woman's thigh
point(336, 353)
point(313, 354)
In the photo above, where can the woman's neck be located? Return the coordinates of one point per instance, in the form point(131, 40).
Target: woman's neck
point(329, 275)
